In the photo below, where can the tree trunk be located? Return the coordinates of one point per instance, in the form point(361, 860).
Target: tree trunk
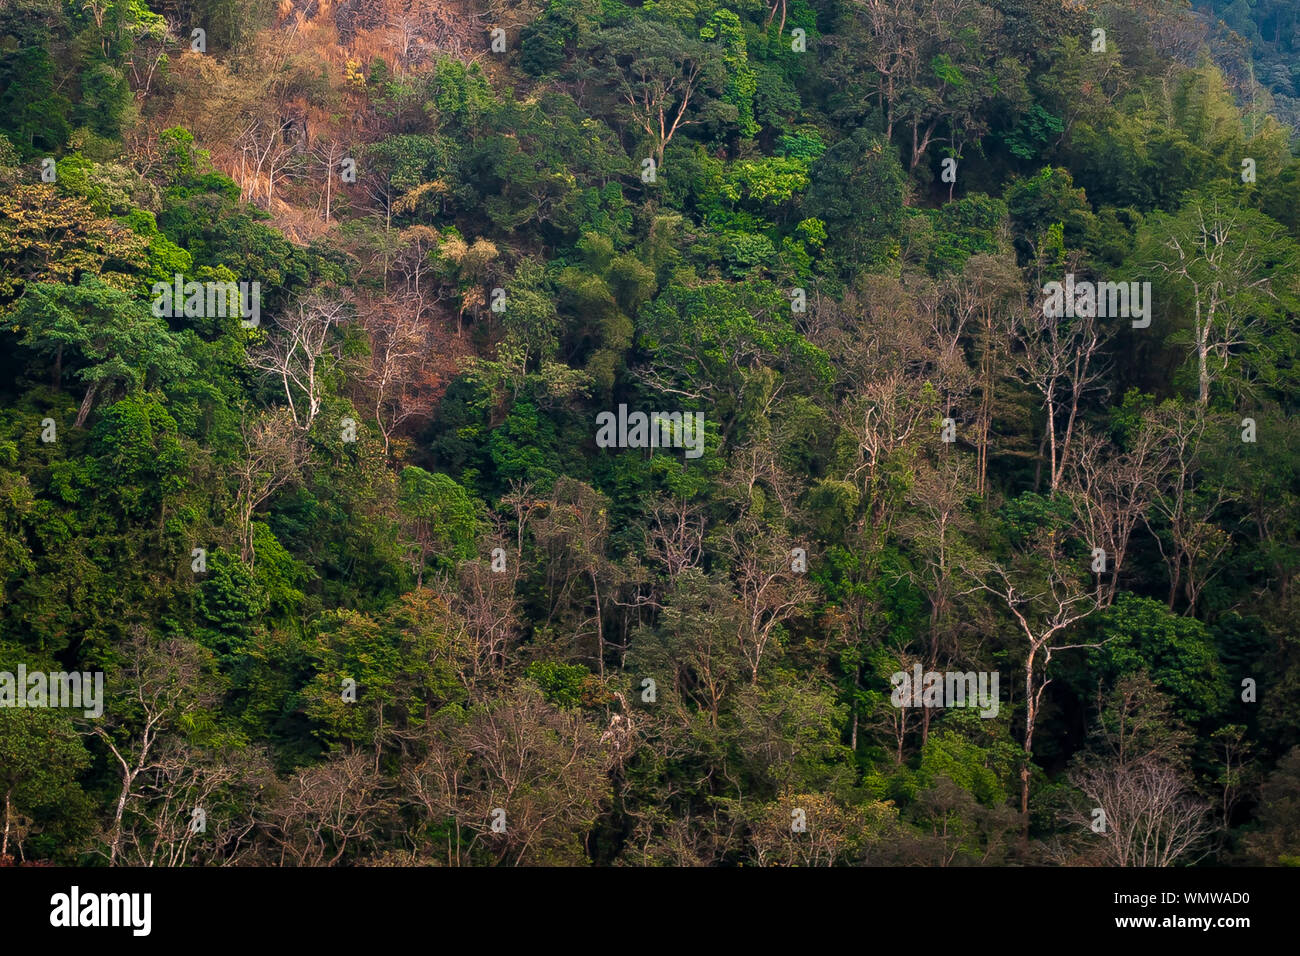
point(1203, 378)
point(1031, 716)
point(1202, 354)
point(84, 412)
point(116, 842)
point(1054, 477)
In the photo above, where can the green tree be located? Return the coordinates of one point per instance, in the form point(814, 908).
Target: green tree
point(1143, 635)
point(40, 756)
point(442, 519)
point(857, 191)
point(116, 340)
point(724, 27)
point(658, 82)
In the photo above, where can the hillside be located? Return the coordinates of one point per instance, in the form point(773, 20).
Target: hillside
point(793, 432)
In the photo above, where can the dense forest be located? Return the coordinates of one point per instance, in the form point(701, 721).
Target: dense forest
point(583, 432)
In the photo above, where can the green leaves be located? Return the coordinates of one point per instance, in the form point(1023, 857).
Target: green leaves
point(705, 337)
point(41, 754)
point(857, 190)
point(1176, 651)
point(657, 82)
point(109, 338)
point(1229, 276)
point(724, 28)
point(387, 671)
point(443, 518)
point(45, 237)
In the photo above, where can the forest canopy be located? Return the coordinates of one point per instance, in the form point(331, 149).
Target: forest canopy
point(578, 432)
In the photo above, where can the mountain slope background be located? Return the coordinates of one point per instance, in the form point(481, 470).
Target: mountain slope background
point(366, 582)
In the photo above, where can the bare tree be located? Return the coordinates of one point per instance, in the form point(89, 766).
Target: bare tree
point(260, 143)
point(1239, 775)
point(1186, 502)
point(1046, 595)
point(537, 772)
point(770, 591)
point(995, 283)
point(953, 310)
point(164, 827)
point(407, 27)
point(1225, 257)
point(398, 372)
point(1151, 817)
point(273, 456)
point(895, 52)
point(328, 154)
point(889, 417)
point(326, 810)
point(162, 686)
point(294, 351)
point(571, 532)
point(485, 600)
point(691, 647)
point(412, 258)
point(675, 535)
point(756, 465)
point(1058, 358)
point(1139, 808)
point(1112, 490)
point(937, 526)
point(895, 723)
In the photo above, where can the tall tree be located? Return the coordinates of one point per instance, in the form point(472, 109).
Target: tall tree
point(1232, 271)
